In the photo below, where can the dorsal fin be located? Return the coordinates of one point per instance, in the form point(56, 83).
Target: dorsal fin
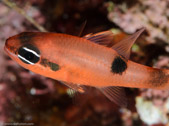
point(82, 28)
point(115, 94)
point(76, 87)
point(103, 38)
point(124, 46)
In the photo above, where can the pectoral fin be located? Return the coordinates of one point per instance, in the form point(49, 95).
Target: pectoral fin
point(115, 94)
point(76, 87)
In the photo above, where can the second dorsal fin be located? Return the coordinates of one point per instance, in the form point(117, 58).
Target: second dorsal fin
point(124, 46)
point(103, 38)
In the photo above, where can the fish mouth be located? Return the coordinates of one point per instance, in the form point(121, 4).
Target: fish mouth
point(7, 47)
point(8, 51)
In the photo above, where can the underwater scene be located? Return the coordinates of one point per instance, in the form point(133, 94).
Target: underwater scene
point(84, 62)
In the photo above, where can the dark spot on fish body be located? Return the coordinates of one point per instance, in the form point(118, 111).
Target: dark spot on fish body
point(46, 63)
point(158, 78)
point(26, 37)
point(53, 66)
point(118, 65)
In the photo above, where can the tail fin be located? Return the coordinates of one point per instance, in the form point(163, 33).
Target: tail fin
point(159, 79)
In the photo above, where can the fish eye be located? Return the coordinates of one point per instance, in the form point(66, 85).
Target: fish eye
point(29, 54)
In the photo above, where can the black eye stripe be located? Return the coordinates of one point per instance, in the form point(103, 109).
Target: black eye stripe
point(31, 51)
point(25, 60)
point(29, 54)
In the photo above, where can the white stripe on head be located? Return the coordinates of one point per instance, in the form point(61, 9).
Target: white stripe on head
point(25, 59)
point(29, 50)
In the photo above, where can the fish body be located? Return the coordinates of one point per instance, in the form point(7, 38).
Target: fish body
point(78, 61)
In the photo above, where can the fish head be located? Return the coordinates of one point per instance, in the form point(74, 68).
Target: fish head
point(30, 50)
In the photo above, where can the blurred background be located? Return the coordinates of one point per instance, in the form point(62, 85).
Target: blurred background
point(31, 99)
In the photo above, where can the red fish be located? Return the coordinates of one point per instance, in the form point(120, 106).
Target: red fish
point(78, 61)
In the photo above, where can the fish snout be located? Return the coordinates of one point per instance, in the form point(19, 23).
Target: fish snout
point(10, 46)
point(7, 45)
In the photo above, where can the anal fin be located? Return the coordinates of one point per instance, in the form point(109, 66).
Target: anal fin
point(115, 94)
